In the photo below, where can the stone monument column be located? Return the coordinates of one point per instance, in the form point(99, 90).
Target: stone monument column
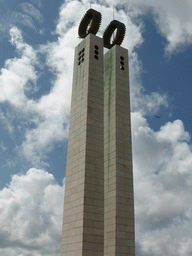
point(119, 238)
point(83, 221)
point(99, 202)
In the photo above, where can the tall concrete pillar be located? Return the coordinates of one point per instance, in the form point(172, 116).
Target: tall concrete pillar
point(83, 220)
point(119, 237)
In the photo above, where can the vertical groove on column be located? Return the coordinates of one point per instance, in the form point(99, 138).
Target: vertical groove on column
point(119, 236)
point(83, 219)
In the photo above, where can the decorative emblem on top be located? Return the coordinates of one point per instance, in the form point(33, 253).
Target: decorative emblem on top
point(119, 37)
point(91, 22)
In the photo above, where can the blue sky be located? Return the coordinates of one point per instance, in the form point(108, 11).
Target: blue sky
point(37, 41)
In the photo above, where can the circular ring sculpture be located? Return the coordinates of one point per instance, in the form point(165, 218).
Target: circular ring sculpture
point(90, 23)
point(109, 32)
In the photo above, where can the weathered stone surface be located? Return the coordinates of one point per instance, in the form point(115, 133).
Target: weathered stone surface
point(119, 235)
point(83, 220)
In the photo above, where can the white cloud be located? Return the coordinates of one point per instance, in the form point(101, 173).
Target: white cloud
point(173, 132)
point(37, 3)
point(173, 19)
point(15, 13)
point(30, 10)
point(31, 215)
point(18, 72)
point(49, 114)
point(162, 178)
point(2, 146)
point(175, 23)
point(6, 123)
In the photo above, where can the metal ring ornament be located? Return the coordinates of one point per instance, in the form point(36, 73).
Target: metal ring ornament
point(92, 18)
point(119, 37)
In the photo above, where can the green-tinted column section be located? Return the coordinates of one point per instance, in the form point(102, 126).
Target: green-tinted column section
point(119, 238)
point(109, 152)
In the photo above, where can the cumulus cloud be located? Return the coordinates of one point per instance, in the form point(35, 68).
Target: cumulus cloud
point(31, 215)
point(175, 23)
point(18, 73)
point(50, 114)
point(163, 176)
point(173, 19)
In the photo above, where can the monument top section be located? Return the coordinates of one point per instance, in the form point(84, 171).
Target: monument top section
point(91, 22)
